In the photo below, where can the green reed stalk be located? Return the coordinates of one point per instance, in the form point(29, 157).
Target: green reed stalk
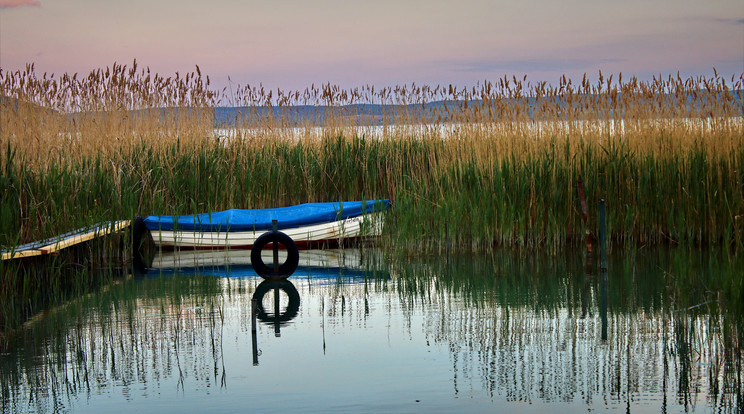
point(692, 197)
point(467, 168)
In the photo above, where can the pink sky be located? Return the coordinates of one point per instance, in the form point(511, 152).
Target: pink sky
point(290, 44)
point(18, 3)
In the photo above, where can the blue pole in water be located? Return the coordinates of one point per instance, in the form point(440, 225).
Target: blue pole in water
point(602, 237)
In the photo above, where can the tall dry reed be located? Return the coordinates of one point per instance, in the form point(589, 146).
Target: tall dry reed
point(467, 168)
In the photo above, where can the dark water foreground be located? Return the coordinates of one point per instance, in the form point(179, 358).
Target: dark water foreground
point(499, 333)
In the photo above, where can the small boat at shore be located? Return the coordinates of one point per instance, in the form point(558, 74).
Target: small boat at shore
point(309, 225)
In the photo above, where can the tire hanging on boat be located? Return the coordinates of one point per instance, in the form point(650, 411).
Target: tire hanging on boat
point(283, 271)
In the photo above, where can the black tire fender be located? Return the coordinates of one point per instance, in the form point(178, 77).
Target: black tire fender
point(287, 268)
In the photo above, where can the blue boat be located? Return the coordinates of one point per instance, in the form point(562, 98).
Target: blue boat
point(307, 224)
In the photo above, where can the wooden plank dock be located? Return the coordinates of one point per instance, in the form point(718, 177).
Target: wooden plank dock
point(57, 243)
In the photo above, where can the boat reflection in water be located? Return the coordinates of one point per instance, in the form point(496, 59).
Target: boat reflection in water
point(320, 266)
point(504, 332)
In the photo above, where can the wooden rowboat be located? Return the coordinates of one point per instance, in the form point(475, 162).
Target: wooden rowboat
point(309, 225)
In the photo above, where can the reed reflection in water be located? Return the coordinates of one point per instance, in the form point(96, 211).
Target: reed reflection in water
point(503, 332)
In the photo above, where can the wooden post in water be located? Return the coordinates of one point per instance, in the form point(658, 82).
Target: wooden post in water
point(254, 312)
point(603, 303)
point(277, 332)
point(276, 247)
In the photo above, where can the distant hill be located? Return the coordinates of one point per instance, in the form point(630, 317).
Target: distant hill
point(16, 104)
point(360, 114)
point(363, 114)
point(377, 114)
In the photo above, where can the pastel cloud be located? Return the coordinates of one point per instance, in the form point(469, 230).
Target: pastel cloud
point(290, 44)
point(7, 4)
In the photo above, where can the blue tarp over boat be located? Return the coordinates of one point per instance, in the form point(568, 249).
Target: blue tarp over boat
point(260, 219)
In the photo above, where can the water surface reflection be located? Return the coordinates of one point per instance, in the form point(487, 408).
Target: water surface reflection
point(353, 332)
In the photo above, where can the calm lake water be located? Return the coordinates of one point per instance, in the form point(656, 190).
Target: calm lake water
point(352, 331)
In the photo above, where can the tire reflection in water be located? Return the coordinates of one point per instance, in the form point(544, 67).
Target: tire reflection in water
point(277, 318)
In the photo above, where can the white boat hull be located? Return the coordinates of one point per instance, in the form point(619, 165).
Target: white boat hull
point(333, 232)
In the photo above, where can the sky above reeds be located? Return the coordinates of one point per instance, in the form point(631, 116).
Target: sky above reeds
point(291, 44)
